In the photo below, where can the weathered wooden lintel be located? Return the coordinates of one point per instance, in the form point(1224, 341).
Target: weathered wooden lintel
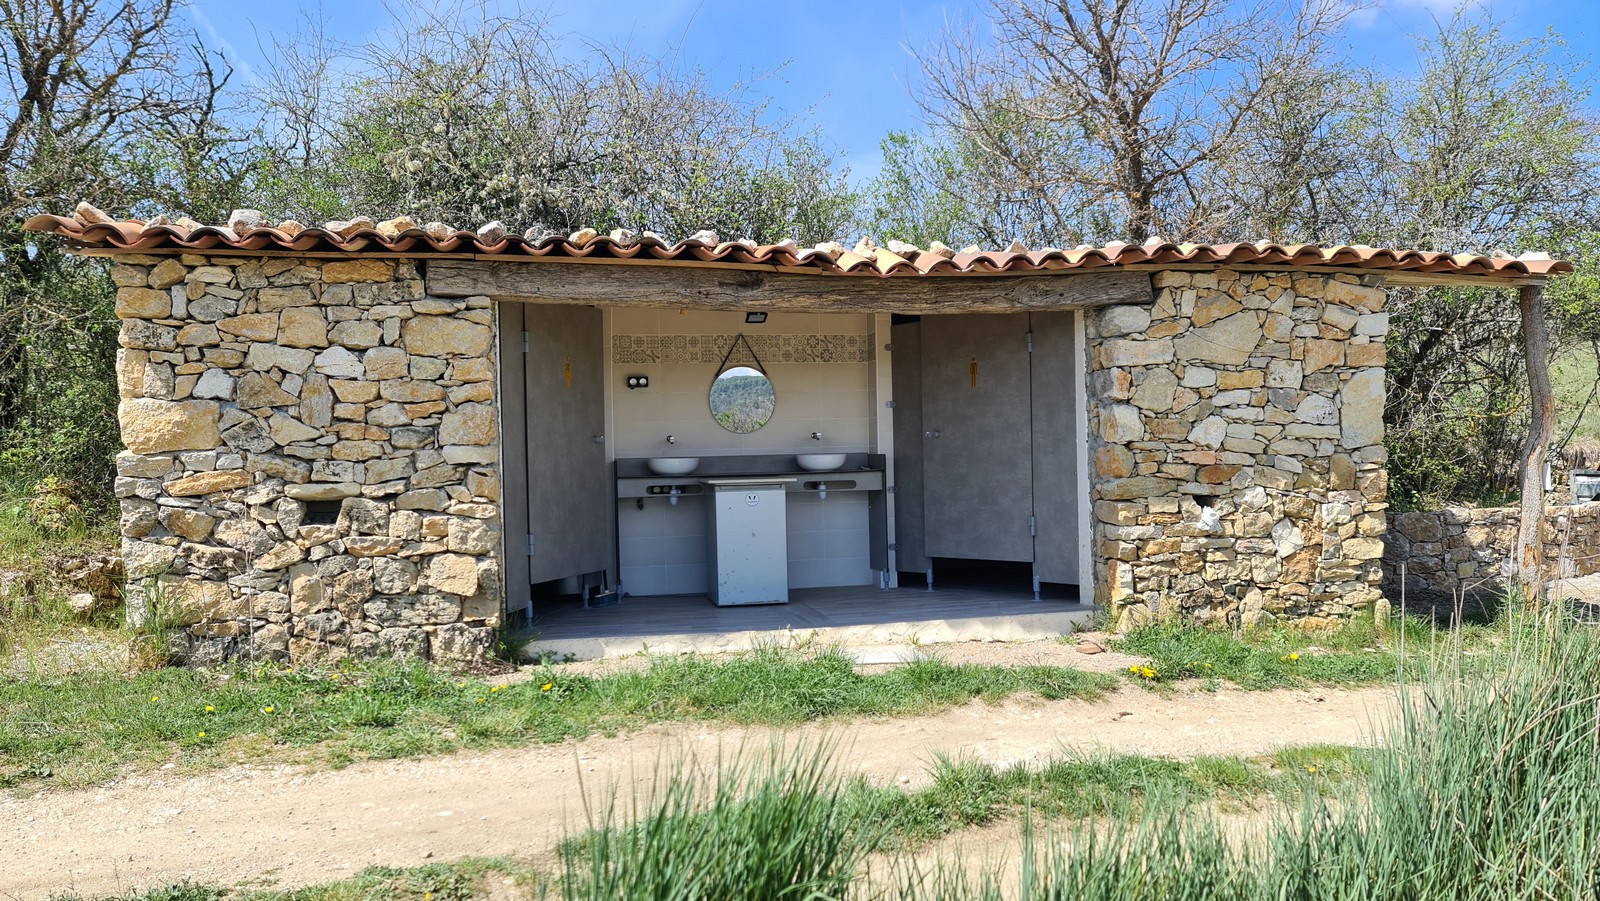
point(722, 289)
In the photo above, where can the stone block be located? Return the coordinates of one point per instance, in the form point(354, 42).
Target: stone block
point(1212, 307)
point(475, 424)
point(1112, 462)
point(271, 300)
point(460, 453)
point(251, 326)
point(472, 536)
point(202, 484)
point(303, 327)
point(409, 391)
point(214, 384)
point(157, 426)
point(346, 271)
point(1230, 341)
point(340, 363)
point(1135, 487)
point(1122, 320)
point(1362, 355)
point(143, 303)
point(438, 336)
point(357, 334)
point(1126, 352)
point(1322, 354)
point(1209, 432)
point(1373, 325)
point(1361, 405)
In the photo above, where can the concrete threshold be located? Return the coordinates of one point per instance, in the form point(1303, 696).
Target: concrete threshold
point(1045, 624)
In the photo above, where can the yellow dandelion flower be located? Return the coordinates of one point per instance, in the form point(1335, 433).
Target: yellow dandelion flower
point(210, 709)
point(495, 689)
point(202, 735)
point(547, 686)
point(1294, 656)
point(267, 709)
point(154, 698)
point(480, 700)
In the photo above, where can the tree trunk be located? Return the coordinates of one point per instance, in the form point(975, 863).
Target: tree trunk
point(1530, 532)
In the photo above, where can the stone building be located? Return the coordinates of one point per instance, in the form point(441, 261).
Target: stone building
point(390, 438)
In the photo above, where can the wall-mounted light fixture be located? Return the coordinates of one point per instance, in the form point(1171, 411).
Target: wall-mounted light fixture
point(638, 381)
point(755, 318)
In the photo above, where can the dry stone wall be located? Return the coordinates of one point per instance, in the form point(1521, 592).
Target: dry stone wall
point(311, 463)
point(1237, 444)
point(1470, 552)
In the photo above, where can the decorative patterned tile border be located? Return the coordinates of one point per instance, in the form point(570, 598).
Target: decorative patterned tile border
point(771, 349)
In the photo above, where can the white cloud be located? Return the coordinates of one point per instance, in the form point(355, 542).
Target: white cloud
point(222, 44)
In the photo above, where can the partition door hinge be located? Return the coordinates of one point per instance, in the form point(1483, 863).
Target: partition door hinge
point(1030, 342)
point(889, 489)
point(524, 342)
point(530, 545)
point(1033, 526)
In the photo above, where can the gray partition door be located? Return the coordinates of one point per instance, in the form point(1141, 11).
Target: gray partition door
point(910, 550)
point(569, 495)
point(1057, 369)
point(977, 445)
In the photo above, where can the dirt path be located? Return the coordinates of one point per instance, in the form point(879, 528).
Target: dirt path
point(279, 826)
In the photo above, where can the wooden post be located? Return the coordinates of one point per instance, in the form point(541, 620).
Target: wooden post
point(1530, 532)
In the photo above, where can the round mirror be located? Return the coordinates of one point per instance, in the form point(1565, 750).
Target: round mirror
point(742, 399)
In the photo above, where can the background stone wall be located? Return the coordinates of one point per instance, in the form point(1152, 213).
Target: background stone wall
point(1469, 552)
point(312, 458)
point(1237, 448)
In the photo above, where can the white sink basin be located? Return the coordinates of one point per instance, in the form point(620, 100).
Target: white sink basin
point(673, 466)
point(820, 462)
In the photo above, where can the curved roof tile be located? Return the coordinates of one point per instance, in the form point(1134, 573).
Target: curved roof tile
point(248, 231)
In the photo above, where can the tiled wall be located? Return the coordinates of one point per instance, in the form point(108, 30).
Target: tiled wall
point(663, 547)
point(832, 398)
point(828, 540)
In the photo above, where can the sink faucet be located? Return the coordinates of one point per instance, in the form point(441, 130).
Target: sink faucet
point(672, 439)
point(816, 436)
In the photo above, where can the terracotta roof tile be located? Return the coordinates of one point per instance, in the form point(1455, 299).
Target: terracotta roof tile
point(247, 230)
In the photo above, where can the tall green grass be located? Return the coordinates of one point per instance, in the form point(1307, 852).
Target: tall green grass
point(1488, 790)
point(774, 828)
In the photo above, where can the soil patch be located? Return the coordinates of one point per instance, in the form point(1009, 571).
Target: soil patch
point(283, 827)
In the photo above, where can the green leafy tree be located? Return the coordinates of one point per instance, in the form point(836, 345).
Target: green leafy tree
point(114, 101)
point(467, 116)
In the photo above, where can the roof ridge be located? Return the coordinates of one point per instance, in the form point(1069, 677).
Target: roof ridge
point(251, 230)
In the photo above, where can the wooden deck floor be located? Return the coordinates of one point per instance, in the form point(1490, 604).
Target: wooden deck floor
point(863, 614)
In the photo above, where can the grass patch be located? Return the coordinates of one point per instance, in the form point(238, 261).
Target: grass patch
point(970, 793)
point(455, 881)
point(80, 729)
point(1278, 657)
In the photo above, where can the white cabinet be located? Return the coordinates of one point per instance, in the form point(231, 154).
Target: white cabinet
point(747, 540)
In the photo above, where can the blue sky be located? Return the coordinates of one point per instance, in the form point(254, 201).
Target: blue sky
point(844, 66)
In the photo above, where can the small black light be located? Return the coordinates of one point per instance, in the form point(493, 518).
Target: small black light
point(755, 318)
point(638, 381)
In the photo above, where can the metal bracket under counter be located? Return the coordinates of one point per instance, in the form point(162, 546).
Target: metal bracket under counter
point(860, 472)
point(843, 480)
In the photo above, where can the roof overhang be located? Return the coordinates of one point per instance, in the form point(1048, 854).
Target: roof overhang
point(91, 232)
